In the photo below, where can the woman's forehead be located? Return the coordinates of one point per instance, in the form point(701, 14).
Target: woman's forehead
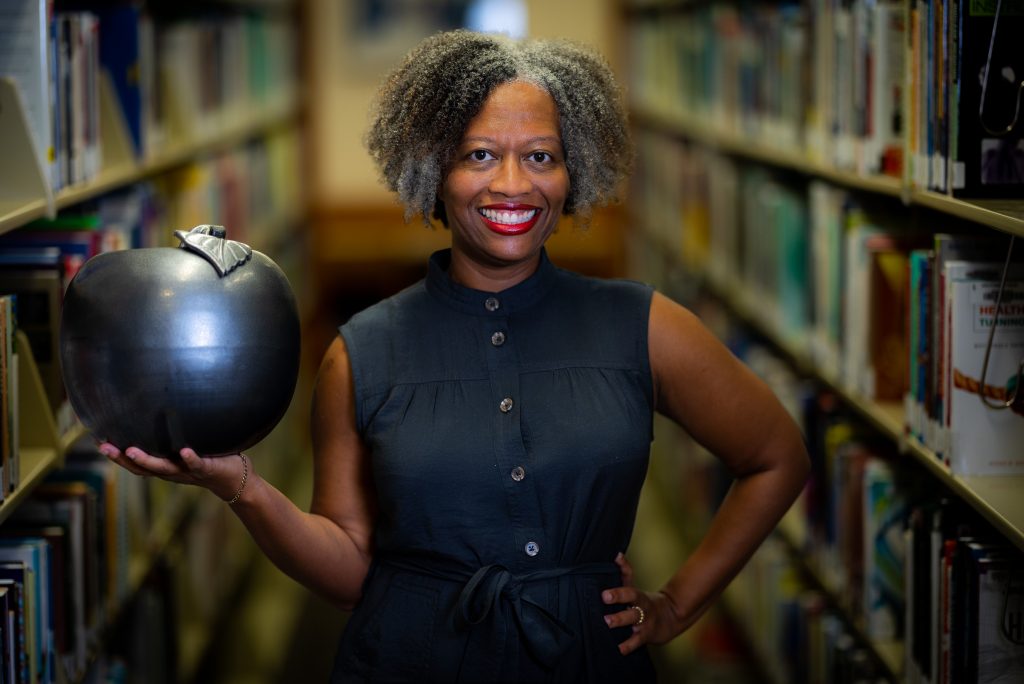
point(517, 107)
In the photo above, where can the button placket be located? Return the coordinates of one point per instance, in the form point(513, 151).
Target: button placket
point(527, 531)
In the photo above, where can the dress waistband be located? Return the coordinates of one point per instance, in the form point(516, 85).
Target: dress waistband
point(547, 637)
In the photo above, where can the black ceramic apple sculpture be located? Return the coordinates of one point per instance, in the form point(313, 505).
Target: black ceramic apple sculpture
point(196, 345)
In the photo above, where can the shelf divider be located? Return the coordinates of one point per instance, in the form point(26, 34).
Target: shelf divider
point(24, 188)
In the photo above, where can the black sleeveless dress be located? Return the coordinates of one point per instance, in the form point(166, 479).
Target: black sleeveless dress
point(509, 436)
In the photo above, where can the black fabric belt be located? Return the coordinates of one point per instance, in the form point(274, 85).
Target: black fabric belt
point(546, 636)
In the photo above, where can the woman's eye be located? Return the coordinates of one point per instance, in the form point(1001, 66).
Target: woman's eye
point(479, 155)
point(540, 157)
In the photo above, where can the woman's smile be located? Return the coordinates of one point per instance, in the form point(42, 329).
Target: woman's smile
point(510, 219)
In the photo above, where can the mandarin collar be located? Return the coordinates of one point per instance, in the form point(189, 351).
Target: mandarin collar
point(481, 303)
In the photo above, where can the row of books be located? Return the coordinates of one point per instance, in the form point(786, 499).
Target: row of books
point(77, 539)
point(815, 601)
point(964, 598)
point(963, 85)
point(848, 284)
point(54, 58)
point(855, 582)
point(853, 513)
point(964, 611)
point(964, 353)
point(250, 190)
point(798, 633)
point(915, 572)
point(802, 628)
point(9, 431)
point(171, 77)
point(42, 258)
point(923, 91)
point(848, 522)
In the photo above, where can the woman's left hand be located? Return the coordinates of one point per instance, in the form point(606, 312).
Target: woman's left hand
point(652, 615)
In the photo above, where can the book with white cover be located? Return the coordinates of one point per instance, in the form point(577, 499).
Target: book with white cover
point(984, 440)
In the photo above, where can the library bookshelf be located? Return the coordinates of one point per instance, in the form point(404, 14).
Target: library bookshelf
point(235, 160)
point(750, 118)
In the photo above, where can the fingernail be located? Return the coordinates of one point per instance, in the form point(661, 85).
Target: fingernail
point(619, 556)
point(608, 620)
point(606, 596)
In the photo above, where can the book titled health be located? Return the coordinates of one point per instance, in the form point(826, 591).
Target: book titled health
point(984, 440)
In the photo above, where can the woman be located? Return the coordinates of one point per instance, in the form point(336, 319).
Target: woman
point(481, 438)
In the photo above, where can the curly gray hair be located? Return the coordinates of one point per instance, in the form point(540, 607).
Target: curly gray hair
point(424, 106)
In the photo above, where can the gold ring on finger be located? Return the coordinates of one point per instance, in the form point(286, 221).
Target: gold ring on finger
point(639, 613)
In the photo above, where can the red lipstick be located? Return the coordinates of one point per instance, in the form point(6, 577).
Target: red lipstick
point(518, 227)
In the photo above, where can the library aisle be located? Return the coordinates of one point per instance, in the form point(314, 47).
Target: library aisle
point(836, 188)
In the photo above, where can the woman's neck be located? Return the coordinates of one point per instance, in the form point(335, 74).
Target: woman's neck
point(486, 278)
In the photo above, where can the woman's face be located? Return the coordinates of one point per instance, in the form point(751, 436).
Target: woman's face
point(505, 190)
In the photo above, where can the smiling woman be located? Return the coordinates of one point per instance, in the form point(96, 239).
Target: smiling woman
point(481, 438)
point(506, 188)
point(425, 105)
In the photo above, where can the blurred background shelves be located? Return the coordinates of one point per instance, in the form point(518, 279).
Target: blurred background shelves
point(809, 174)
point(186, 113)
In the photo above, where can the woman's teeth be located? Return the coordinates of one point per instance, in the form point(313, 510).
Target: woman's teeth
point(509, 218)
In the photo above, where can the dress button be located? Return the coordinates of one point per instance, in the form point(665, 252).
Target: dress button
point(518, 473)
point(491, 304)
point(505, 405)
point(532, 548)
point(498, 339)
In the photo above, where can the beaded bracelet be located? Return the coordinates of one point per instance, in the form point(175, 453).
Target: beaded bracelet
point(245, 478)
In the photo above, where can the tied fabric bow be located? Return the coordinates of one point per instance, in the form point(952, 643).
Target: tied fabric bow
point(545, 635)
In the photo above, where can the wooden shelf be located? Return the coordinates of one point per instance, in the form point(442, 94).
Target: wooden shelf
point(35, 464)
point(1004, 215)
point(25, 192)
point(997, 498)
point(187, 135)
point(41, 448)
point(33, 200)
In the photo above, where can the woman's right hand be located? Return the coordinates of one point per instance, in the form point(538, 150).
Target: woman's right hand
point(225, 476)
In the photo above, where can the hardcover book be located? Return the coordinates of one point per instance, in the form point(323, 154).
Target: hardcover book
point(1000, 620)
point(984, 440)
point(988, 84)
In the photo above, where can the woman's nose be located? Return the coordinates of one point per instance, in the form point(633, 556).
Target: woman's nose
point(510, 178)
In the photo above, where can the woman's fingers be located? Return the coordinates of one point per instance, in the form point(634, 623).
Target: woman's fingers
point(626, 595)
point(629, 617)
point(626, 568)
point(221, 475)
point(634, 613)
point(154, 465)
point(138, 462)
point(632, 643)
point(115, 455)
point(637, 615)
point(650, 615)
